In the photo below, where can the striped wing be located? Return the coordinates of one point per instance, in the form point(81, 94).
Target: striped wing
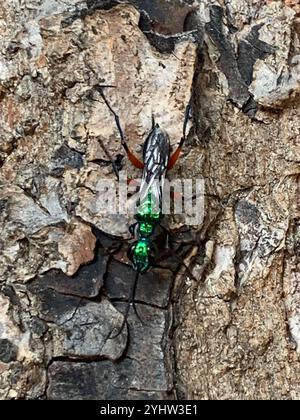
point(156, 155)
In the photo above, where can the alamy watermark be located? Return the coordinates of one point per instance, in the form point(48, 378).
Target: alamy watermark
point(183, 197)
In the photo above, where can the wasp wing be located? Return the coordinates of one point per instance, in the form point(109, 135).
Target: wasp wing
point(156, 155)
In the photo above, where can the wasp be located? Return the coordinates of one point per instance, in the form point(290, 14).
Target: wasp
point(157, 161)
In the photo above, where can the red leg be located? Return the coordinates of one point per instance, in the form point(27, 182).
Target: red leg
point(174, 157)
point(133, 159)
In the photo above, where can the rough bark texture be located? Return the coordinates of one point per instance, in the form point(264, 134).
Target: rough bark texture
point(232, 328)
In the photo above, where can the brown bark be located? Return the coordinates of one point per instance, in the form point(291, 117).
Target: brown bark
point(229, 327)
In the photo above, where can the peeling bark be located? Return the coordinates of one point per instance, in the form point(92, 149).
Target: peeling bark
point(226, 326)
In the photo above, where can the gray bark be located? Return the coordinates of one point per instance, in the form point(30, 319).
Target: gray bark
point(229, 326)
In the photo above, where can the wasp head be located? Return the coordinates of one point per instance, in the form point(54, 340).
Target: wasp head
point(141, 255)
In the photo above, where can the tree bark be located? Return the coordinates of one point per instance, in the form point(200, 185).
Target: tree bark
point(221, 312)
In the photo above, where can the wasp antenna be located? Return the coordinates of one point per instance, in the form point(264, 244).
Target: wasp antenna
point(133, 296)
point(112, 337)
point(136, 313)
point(130, 301)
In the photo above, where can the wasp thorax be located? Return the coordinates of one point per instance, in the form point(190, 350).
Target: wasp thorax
point(149, 210)
point(146, 229)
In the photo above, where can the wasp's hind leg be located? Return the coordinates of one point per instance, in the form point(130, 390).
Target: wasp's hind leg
point(174, 157)
point(133, 159)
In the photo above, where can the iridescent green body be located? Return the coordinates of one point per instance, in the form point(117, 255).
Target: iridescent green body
point(147, 219)
point(141, 253)
point(156, 153)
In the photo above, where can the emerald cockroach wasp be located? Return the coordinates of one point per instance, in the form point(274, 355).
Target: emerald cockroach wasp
point(157, 160)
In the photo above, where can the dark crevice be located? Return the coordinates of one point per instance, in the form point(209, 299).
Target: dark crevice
point(91, 7)
point(77, 359)
point(250, 50)
point(238, 69)
point(227, 63)
point(141, 302)
point(156, 21)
